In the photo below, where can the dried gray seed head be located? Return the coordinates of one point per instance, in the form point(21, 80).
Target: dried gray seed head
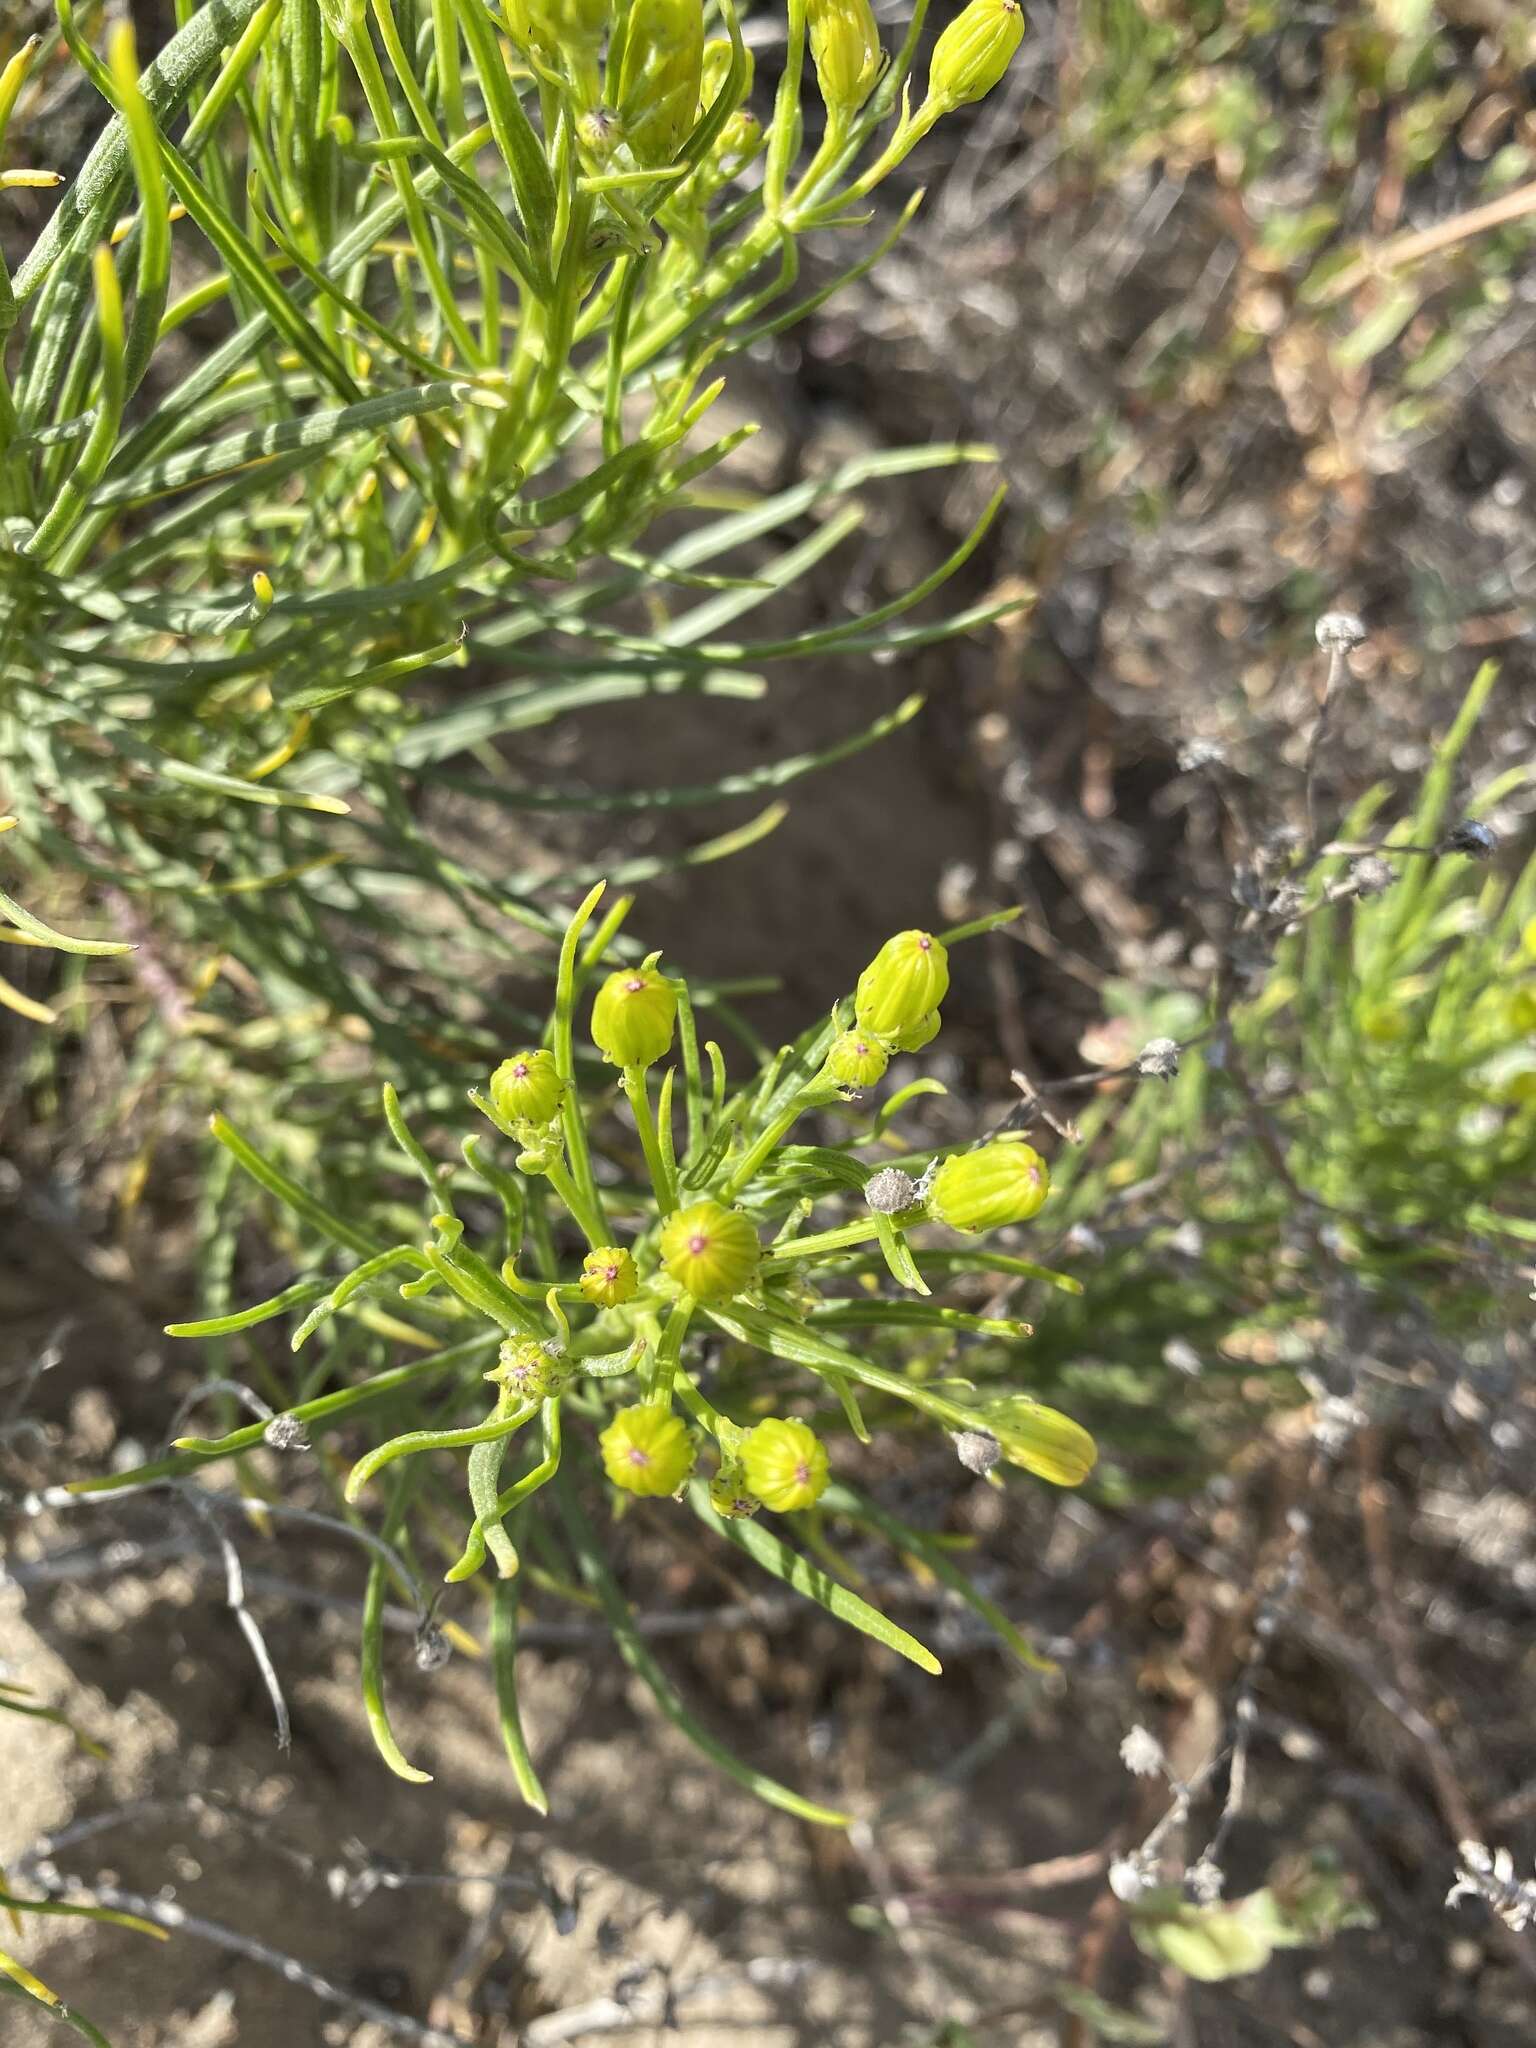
point(1204, 1880)
point(1370, 874)
point(978, 1450)
point(433, 1648)
point(1201, 754)
point(1340, 629)
point(1142, 1753)
point(890, 1191)
point(1158, 1059)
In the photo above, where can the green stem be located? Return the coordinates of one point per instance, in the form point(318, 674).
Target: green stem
point(823, 1241)
point(592, 1226)
point(645, 1122)
point(576, 1147)
point(767, 1140)
point(669, 1350)
point(500, 1424)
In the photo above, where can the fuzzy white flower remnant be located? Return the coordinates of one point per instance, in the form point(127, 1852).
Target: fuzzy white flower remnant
point(1142, 1753)
point(1489, 1875)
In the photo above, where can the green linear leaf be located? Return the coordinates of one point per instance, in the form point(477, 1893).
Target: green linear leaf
point(107, 1915)
point(312, 436)
point(35, 929)
point(300, 1295)
point(772, 775)
point(18, 1982)
point(636, 1655)
point(842, 1500)
point(809, 1580)
point(504, 1597)
point(287, 1191)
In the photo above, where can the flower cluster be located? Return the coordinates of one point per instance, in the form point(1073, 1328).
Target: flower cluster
point(660, 1291)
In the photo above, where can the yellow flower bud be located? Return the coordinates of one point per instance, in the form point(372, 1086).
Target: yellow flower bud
point(973, 53)
point(633, 1016)
point(556, 26)
point(710, 1251)
point(608, 1277)
point(922, 1033)
point(785, 1465)
point(907, 978)
point(729, 1494)
point(528, 1370)
point(716, 66)
point(845, 48)
point(856, 1059)
point(738, 142)
point(1042, 1440)
point(646, 1450)
point(527, 1088)
point(660, 74)
point(1521, 1010)
point(1004, 1182)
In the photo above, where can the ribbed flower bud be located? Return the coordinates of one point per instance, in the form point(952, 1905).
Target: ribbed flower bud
point(856, 1059)
point(785, 1465)
point(845, 48)
point(608, 1277)
point(715, 69)
point(908, 978)
point(646, 1449)
point(528, 1370)
point(738, 142)
point(1004, 1182)
point(1041, 1440)
point(922, 1033)
point(710, 1251)
point(527, 1088)
point(634, 1015)
point(555, 26)
point(729, 1494)
point(973, 53)
point(660, 76)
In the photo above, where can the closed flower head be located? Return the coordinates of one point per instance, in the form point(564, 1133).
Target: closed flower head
point(710, 1251)
point(661, 74)
point(608, 1277)
point(973, 53)
point(554, 26)
point(634, 1015)
point(716, 69)
point(1041, 1440)
point(845, 48)
point(1004, 1182)
point(528, 1370)
point(857, 1059)
point(902, 986)
point(917, 1035)
point(785, 1465)
point(646, 1449)
point(527, 1089)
